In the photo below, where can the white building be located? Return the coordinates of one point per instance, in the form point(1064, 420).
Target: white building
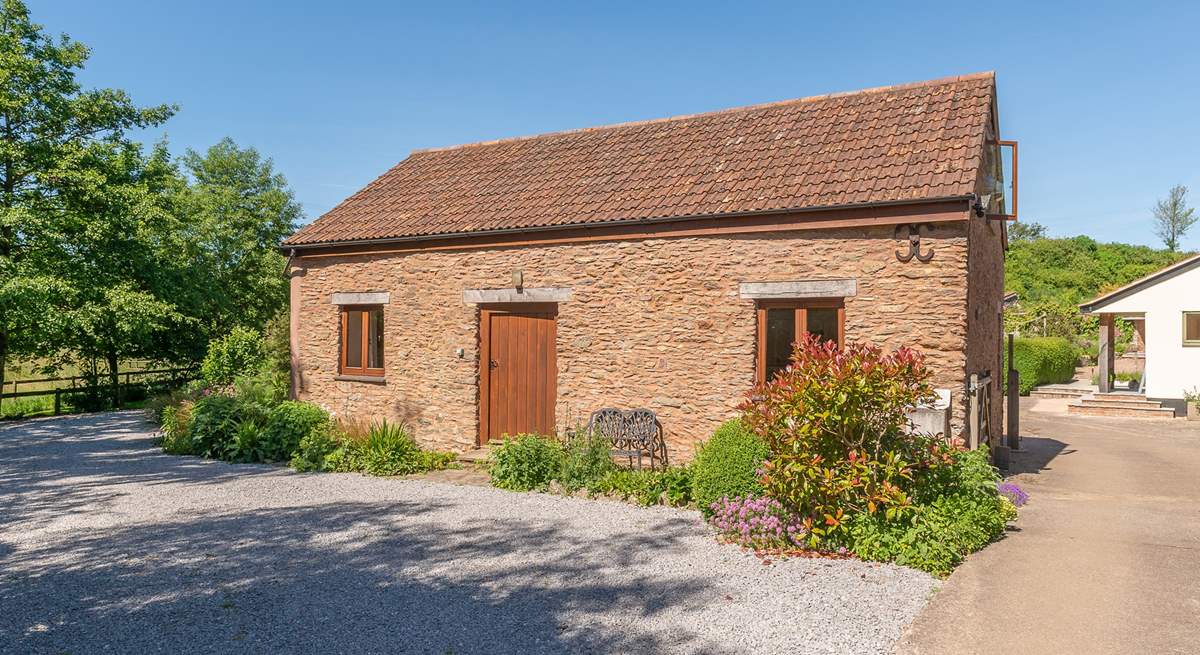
point(1165, 308)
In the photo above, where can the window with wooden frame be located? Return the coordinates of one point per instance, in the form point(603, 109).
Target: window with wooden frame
point(362, 341)
point(782, 323)
point(1191, 328)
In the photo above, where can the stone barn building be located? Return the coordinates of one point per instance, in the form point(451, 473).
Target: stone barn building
point(520, 284)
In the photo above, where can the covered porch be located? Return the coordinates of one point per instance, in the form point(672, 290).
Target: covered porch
point(1106, 359)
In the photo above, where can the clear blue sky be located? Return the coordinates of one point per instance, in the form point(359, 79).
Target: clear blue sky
point(1104, 98)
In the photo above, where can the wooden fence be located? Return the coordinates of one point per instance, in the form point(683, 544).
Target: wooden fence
point(126, 381)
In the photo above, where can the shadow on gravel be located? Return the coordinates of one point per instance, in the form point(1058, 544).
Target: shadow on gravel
point(71, 463)
point(352, 578)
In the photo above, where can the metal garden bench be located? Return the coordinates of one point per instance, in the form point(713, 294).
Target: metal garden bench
point(632, 433)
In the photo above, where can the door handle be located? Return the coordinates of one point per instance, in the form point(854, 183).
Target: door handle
point(493, 364)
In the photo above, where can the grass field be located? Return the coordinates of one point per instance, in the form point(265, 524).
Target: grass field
point(17, 376)
point(27, 376)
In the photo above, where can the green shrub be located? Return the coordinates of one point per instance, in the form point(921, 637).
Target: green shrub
point(672, 486)
point(315, 448)
point(238, 353)
point(960, 512)
point(258, 394)
point(835, 423)
point(286, 425)
point(248, 444)
point(277, 346)
point(1042, 360)
point(214, 425)
point(526, 462)
point(1132, 376)
point(382, 449)
point(585, 458)
point(726, 465)
point(176, 423)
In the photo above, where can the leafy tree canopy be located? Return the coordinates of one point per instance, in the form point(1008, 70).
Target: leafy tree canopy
point(1173, 217)
point(1053, 277)
point(57, 141)
point(230, 217)
point(110, 252)
point(1077, 269)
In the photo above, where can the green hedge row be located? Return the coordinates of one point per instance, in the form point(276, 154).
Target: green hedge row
point(1042, 360)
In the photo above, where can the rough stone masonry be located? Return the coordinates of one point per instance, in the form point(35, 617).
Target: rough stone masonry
point(656, 323)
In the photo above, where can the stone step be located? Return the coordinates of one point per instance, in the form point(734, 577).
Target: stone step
point(1058, 393)
point(476, 456)
point(1080, 409)
point(1127, 397)
point(1132, 403)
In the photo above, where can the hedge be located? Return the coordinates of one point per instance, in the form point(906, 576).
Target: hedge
point(1042, 360)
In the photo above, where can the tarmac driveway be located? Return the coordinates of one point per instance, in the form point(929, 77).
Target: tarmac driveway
point(1107, 557)
point(107, 545)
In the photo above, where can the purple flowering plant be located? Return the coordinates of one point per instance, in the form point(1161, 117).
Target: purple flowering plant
point(1013, 493)
point(759, 523)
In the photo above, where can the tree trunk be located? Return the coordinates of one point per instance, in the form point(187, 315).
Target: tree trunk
point(114, 379)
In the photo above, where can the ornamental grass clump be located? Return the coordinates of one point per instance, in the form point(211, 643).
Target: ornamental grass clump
point(836, 425)
point(379, 448)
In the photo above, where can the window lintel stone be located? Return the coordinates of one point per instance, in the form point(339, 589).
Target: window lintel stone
point(836, 288)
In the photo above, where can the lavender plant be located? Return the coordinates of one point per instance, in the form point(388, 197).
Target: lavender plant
point(1013, 493)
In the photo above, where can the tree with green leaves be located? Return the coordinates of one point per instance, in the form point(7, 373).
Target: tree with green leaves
point(117, 225)
point(230, 217)
point(1025, 232)
point(53, 134)
point(1173, 217)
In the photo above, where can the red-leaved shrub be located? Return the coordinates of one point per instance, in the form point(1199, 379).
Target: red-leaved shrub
point(836, 425)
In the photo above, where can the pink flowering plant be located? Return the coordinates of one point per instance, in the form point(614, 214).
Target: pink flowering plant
point(760, 523)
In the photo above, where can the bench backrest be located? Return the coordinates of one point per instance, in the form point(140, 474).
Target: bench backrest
point(634, 426)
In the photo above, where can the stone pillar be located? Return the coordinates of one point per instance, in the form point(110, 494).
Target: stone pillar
point(1106, 361)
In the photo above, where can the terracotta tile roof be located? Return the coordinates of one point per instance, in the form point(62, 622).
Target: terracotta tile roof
point(900, 143)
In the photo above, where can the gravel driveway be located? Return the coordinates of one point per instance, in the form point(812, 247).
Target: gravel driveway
point(106, 545)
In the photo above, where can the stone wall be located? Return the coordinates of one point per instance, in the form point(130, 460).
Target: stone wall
point(985, 298)
point(652, 323)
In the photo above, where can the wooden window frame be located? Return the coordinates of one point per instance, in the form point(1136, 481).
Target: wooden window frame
point(343, 351)
point(801, 306)
point(1189, 343)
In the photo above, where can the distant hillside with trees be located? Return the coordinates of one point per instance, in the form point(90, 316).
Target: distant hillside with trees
point(1052, 276)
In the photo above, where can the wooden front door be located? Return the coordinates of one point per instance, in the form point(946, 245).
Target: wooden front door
point(518, 371)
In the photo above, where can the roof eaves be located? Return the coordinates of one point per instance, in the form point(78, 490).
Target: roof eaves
point(286, 247)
